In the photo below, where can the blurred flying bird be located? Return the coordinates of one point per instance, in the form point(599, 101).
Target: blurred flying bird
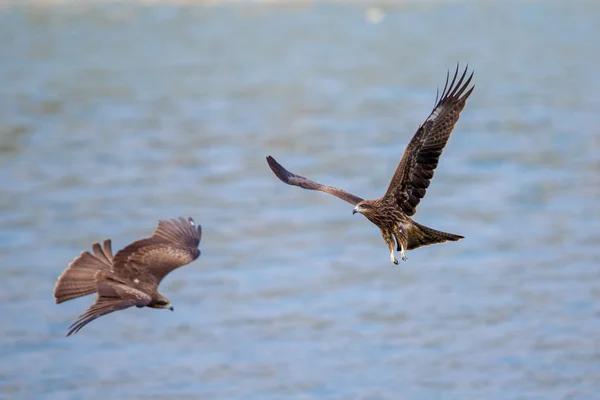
point(132, 276)
point(392, 212)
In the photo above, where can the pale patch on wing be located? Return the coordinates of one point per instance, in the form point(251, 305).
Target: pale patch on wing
point(434, 114)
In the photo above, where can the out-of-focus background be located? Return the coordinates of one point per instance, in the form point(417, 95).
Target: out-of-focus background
point(115, 115)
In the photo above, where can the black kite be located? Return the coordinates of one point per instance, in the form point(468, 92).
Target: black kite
point(132, 276)
point(392, 212)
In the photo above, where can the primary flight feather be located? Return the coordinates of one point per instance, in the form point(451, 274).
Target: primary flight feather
point(392, 212)
point(130, 277)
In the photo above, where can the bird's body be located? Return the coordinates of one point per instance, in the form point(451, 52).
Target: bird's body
point(394, 224)
point(132, 276)
point(392, 212)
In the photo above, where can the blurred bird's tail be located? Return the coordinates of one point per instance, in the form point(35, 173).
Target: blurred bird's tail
point(420, 235)
point(79, 279)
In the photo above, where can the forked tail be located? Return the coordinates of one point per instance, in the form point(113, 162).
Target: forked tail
point(79, 277)
point(420, 235)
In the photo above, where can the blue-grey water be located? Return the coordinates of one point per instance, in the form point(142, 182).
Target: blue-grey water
point(115, 115)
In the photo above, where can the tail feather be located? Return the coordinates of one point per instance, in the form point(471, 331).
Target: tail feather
point(103, 253)
point(79, 279)
point(108, 254)
point(420, 235)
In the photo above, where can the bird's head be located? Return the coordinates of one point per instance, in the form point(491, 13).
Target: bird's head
point(161, 302)
point(365, 207)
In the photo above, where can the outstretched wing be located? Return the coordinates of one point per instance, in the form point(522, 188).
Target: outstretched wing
point(415, 170)
point(296, 180)
point(112, 296)
point(173, 244)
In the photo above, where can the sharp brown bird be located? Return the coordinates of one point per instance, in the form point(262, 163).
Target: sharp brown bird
point(132, 276)
point(392, 212)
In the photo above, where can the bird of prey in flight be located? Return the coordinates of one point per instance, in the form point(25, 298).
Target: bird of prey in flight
point(132, 276)
point(392, 212)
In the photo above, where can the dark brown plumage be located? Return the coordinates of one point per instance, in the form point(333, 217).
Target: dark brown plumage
point(392, 212)
point(132, 276)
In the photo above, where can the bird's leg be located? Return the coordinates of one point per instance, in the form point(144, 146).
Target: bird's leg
point(402, 253)
point(393, 257)
point(402, 243)
point(389, 241)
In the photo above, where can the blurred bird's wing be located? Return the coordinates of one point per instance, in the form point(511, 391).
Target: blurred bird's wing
point(296, 180)
point(112, 296)
point(173, 244)
point(415, 170)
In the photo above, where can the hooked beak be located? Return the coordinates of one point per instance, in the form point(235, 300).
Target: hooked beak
point(354, 211)
point(171, 308)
